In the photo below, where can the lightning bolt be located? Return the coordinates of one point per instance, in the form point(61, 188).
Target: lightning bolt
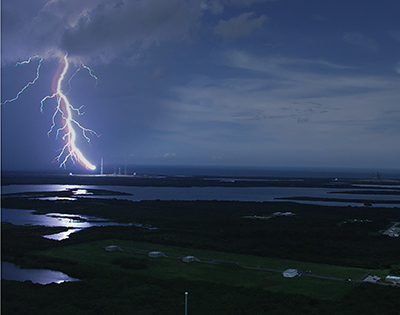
point(29, 83)
point(66, 111)
point(82, 66)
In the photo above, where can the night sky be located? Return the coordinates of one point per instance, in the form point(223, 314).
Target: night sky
point(285, 83)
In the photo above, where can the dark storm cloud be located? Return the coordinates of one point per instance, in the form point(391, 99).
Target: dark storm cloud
point(99, 30)
point(130, 27)
point(192, 81)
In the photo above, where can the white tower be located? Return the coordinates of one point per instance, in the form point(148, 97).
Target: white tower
point(186, 302)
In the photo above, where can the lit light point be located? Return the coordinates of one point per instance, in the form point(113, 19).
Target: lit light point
point(67, 111)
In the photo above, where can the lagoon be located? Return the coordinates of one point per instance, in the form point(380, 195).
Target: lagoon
point(257, 194)
point(73, 222)
point(10, 271)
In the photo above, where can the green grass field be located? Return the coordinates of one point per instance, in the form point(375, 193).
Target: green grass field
point(227, 272)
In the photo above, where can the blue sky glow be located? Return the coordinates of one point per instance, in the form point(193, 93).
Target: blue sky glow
point(208, 82)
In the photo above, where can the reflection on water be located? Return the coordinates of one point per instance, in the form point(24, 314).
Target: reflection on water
point(81, 192)
point(73, 222)
point(14, 189)
point(62, 235)
point(135, 193)
point(10, 271)
point(29, 217)
point(56, 198)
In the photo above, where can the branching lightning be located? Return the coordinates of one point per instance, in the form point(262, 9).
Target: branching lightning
point(29, 83)
point(65, 111)
point(82, 66)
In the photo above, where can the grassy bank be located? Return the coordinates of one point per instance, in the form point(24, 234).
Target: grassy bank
point(216, 267)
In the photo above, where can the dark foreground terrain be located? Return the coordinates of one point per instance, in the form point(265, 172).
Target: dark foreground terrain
point(330, 239)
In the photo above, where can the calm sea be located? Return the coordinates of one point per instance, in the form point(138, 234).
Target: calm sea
point(214, 193)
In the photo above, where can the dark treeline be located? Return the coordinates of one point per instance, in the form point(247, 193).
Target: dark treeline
point(105, 291)
point(349, 236)
point(143, 180)
point(112, 294)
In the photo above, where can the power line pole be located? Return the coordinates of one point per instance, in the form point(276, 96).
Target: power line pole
point(186, 302)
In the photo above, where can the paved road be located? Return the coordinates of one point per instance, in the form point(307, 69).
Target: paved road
point(239, 264)
point(256, 267)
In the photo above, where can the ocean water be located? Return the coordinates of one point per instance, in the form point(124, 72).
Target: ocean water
point(235, 193)
point(10, 271)
point(216, 193)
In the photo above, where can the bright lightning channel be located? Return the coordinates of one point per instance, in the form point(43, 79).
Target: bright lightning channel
point(64, 107)
point(66, 110)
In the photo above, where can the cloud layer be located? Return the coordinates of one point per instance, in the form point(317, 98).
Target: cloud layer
point(100, 30)
point(103, 30)
point(256, 82)
point(241, 25)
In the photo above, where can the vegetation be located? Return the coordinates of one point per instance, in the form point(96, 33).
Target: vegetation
point(341, 242)
point(364, 201)
point(132, 263)
point(347, 236)
point(22, 178)
point(112, 293)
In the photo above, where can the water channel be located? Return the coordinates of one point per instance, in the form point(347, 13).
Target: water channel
point(219, 193)
point(74, 223)
point(10, 271)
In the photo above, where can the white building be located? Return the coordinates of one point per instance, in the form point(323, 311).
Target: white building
point(112, 248)
point(156, 254)
point(290, 273)
point(393, 279)
point(287, 214)
point(283, 214)
point(189, 259)
point(372, 279)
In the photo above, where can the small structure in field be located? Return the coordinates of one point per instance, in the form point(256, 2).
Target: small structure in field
point(393, 231)
point(155, 254)
point(283, 214)
point(112, 248)
point(189, 259)
point(393, 279)
point(290, 273)
point(372, 279)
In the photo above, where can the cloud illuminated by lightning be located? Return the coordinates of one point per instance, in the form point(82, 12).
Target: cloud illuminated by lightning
point(65, 111)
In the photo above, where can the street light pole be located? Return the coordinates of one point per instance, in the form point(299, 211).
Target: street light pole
point(186, 301)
